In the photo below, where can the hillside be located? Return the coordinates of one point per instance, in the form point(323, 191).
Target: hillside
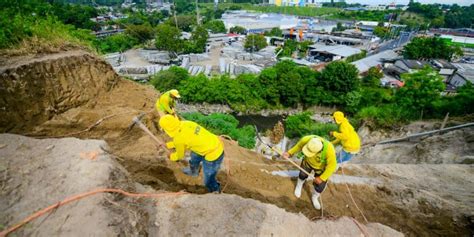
point(75, 94)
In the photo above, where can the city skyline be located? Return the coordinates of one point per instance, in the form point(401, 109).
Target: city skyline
point(405, 2)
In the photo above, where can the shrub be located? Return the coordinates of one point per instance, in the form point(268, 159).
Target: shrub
point(169, 79)
point(299, 125)
point(225, 124)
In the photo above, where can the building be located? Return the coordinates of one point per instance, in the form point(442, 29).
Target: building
point(410, 66)
point(445, 68)
point(375, 60)
point(463, 75)
point(376, 7)
point(324, 53)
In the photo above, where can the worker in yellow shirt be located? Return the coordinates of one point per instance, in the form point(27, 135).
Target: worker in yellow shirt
point(320, 157)
point(347, 137)
point(205, 147)
point(167, 101)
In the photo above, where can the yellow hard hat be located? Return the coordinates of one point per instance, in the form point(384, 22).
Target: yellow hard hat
point(313, 146)
point(175, 93)
point(170, 124)
point(338, 117)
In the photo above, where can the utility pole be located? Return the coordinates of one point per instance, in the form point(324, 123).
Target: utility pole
point(197, 14)
point(174, 13)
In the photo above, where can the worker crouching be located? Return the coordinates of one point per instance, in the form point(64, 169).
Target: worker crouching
point(167, 102)
point(205, 147)
point(347, 137)
point(320, 157)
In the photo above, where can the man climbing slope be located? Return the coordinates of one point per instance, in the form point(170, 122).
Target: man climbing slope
point(347, 137)
point(320, 156)
point(167, 101)
point(205, 147)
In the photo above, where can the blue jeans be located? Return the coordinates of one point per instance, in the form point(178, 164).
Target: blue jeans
point(344, 156)
point(210, 169)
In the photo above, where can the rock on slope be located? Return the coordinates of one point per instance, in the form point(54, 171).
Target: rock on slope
point(38, 173)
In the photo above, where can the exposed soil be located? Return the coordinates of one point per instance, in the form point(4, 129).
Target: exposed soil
point(414, 208)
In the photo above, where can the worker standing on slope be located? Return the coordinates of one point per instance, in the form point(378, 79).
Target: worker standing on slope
point(205, 147)
point(347, 137)
point(167, 101)
point(320, 156)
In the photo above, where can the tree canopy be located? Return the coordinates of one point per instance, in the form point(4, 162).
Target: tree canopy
point(430, 48)
point(215, 26)
point(255, 42)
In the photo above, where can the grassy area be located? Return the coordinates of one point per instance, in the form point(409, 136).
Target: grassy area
point(463, 45)
point(298, 11)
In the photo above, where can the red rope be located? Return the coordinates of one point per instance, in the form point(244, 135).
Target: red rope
point(80, 196)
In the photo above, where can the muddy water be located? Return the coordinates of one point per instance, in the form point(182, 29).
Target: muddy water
point(263, 123)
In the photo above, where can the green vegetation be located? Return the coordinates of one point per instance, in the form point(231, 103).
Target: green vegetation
point(356, 57)
point(430, 47)
point(255, 42)
point(449, 16)
point(291, 46)
point(366, 15)
point(274, 32)
point(301, 125)
point(33, 28)
point(168, 38)
point(115, 43)
point(168, 79)
point(215, 26)
point(225, 124)
point(372, 79)
point(238, 30)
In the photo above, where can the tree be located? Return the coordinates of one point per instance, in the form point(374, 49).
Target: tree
point(340, 76)
point(430, 47)
point(115, 43)
point(185, 22)
point(381, 31)
point(275, 31)
point(238, 30)
point(168, 38)
point(198, 40)
point(421, 89)
point(339, 27)
point(215, 26)
point(373, 77)
point(169, 79)
point(140, 32)
point(255, 42)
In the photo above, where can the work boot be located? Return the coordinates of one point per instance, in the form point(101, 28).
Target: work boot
point(190, 172)
point(299, 186)
point(314, 198)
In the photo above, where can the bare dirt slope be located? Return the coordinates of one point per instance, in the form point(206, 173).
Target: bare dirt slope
point(38, 173)
point(108, 116)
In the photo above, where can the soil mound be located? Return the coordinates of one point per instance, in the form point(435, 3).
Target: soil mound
point(32, 90)
point(39, 173)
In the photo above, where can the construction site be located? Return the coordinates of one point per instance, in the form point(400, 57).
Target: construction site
point(73, 163)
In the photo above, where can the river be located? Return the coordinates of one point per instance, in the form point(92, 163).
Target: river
point(263, 123)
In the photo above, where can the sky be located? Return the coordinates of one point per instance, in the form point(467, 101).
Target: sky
point(375, 2)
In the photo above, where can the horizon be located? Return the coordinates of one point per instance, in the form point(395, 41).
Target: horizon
point(405, 2)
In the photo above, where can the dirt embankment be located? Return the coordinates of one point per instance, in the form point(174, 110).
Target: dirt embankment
point(33, 90)
point(414, 208)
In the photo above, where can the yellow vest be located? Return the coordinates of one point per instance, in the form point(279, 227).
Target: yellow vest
point(165, 103)
point(327, 165)
point(197, 139)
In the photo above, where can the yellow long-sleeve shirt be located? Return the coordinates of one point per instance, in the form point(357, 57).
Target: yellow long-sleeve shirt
point(347, 136)
point(197, 139)
point(165, 103)
point(329, 166)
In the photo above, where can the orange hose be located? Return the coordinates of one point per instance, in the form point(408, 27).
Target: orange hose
point(80, 196)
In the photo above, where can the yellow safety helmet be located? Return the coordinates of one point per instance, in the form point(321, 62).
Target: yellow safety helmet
point(170, 124)
point(313, 146)
point(338, 117)
point(175, 93)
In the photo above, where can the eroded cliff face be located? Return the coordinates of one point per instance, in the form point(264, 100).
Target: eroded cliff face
point(33, 90)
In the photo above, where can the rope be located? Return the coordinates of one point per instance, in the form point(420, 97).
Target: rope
point(80, 196)
point(352, 198)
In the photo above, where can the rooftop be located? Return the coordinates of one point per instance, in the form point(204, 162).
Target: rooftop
point(364, 64)
point(340, 50)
